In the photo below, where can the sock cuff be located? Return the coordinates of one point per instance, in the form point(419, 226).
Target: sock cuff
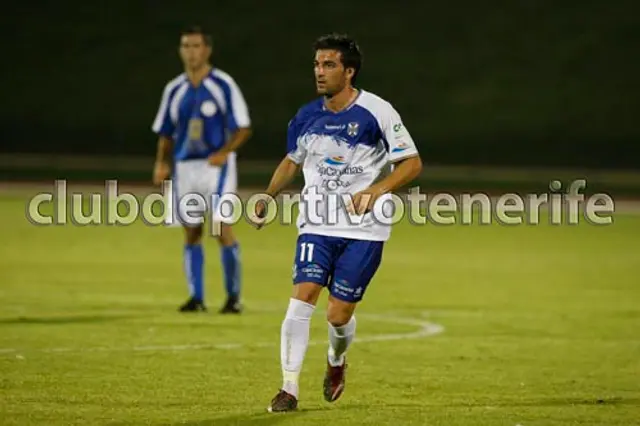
point(299, 310)
point(344, 330)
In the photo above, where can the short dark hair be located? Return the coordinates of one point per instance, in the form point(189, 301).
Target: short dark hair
point(348, 47)
point(196, 29)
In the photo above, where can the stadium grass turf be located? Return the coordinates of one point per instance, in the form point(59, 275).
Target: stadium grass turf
point(540, 328)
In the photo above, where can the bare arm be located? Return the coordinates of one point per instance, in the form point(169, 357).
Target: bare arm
point(162, 168)
point(282, 176)
point(238, 139)
point(163, 154)
point(404, 172)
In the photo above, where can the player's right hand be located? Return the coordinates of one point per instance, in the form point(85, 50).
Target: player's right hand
point(161, 172)
point(260, 214)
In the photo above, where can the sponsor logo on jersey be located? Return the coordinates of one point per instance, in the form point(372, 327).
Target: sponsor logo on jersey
point(337, 160)
point(333, 168)
point(336, 172)
point(334, 126)
point(401, 147)
point(333, 184)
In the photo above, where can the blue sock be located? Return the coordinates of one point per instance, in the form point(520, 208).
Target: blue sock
point(231, 265)
point(193, 262)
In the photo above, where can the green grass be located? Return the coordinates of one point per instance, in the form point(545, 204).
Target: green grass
point(540, 328)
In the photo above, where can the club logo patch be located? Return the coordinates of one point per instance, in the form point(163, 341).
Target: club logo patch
point(352, 129)
point(208, 109)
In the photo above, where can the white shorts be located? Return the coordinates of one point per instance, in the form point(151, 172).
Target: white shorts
point(199, 177)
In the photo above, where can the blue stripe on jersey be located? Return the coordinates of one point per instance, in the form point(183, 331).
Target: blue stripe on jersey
point(167, 126)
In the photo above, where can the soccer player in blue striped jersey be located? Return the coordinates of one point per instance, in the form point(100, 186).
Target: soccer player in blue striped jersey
point(201, 122)
point(349, 142)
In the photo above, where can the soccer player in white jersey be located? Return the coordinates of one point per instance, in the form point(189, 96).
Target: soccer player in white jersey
point(202, 120)
point(348, 141)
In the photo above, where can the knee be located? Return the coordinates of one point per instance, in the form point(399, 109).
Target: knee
point(339, 312)
point(306, 297)
point(307, 292)
point(338, 317)
point(225, 241)
point(226, 237)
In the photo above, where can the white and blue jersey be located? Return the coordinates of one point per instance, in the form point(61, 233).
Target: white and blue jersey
point(346, 152)
point(200, 119)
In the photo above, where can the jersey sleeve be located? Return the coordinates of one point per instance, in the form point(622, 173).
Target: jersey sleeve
point(399, 142)
point(238, 111)
point(163, 125)
point(296, 150)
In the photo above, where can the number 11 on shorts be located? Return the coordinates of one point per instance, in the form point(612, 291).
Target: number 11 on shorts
point(306, 250)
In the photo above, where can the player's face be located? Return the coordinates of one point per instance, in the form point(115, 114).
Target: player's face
point(193, 51)
point(331, 76)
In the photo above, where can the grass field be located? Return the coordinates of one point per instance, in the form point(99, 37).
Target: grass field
point(463, 325)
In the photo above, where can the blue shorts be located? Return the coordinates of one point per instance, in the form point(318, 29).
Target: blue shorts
point(346, 265)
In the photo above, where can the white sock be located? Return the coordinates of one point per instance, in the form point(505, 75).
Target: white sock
point(294, 339)
point(339, 340)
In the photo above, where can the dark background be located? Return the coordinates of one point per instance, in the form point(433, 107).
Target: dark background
point(491, 83)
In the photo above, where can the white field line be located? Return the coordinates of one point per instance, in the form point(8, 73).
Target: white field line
point(425, 329)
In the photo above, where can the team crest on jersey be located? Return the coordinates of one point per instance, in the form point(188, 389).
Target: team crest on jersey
point(208, 108)
point(352, 129)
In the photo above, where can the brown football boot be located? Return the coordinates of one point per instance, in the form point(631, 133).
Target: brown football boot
point(334, 381)
point(282, 402)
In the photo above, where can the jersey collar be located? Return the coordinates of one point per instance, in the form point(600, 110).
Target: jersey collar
point(348, 107)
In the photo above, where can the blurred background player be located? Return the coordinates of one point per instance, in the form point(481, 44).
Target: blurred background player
point(344, 141)
point(201, 122)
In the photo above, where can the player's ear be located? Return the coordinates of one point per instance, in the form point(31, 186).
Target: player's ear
point(350, 72)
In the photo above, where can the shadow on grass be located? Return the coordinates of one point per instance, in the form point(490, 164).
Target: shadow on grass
point(265, 418)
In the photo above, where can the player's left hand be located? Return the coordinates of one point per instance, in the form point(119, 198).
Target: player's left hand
point(363, 201)
point(218, 159)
